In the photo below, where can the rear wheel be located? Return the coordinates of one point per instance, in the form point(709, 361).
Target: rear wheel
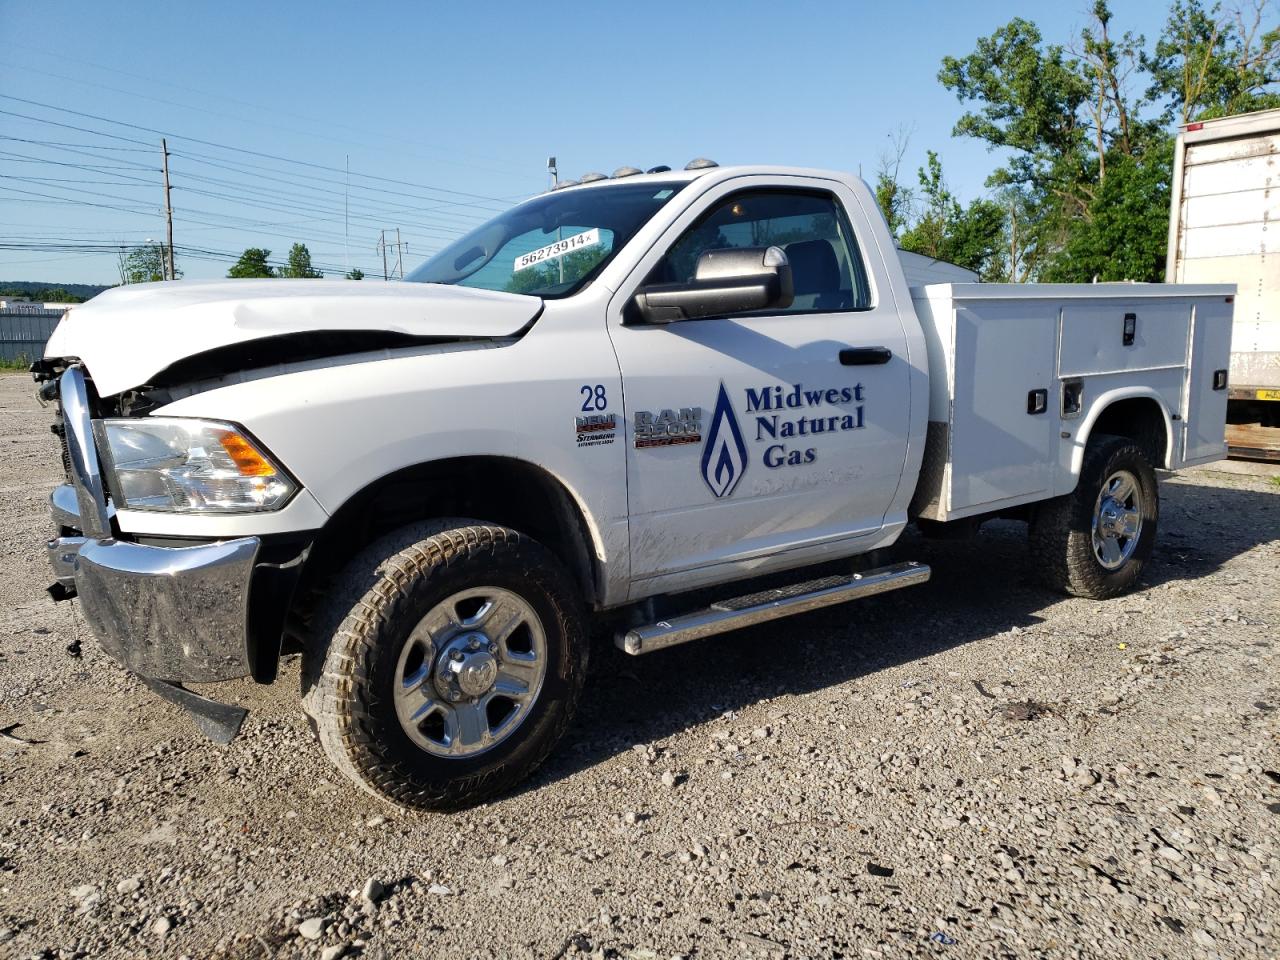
point(451, 664)
point(1094, 541)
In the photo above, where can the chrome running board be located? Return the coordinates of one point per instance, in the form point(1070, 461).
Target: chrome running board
point(767, 605)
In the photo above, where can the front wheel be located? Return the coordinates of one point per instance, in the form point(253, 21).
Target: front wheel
point(1094, 541)
point(454, 667)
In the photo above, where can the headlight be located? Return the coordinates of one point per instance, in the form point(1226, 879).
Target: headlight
point(189, 466)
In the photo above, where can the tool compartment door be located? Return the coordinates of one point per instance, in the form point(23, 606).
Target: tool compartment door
point(1003, 350)
point(1204, 409)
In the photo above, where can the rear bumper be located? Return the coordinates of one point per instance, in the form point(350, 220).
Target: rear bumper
point(179, 614)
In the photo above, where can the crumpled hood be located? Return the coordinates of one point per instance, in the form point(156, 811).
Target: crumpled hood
point(127, 335)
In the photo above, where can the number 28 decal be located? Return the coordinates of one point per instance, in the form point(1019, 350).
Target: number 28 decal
point(594, 397)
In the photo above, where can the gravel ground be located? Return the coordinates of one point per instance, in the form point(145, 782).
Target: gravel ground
point(970, 768)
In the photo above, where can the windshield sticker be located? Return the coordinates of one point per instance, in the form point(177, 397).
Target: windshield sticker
point(553, 251)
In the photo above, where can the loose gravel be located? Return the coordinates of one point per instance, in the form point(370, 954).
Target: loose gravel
point(973, 768)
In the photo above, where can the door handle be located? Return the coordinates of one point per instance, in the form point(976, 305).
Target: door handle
point(865, 356)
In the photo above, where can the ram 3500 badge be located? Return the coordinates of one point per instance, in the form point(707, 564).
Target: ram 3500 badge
point(606, 397)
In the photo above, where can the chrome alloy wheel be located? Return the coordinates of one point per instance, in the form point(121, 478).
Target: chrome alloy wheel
point(470, 672)
point(1117, 520)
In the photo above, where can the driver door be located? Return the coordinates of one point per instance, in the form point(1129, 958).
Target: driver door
point(762, 440)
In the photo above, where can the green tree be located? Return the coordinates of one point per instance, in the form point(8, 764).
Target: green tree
point(1071, 126)
point(1209, 64)
point(972, 237)
point(355, 273)
point(41, 295)
point(892, 196)
point(298, 266)
point(145, 264)
point(1126, 233)
point(252, 263)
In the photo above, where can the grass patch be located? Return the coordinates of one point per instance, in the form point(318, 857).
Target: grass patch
point(20, 363)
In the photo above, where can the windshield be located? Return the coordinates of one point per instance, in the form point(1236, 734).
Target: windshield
point(552, 245)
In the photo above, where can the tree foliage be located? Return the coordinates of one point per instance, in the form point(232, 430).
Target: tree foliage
point(1084, 188)
point(298, 266)
point(252, 263)
point(1207, 63)
point(41, 294)
point(145, 264)
point(971, 237)
point(355, 273)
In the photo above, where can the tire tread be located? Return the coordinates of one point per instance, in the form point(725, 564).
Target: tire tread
point(371, 591)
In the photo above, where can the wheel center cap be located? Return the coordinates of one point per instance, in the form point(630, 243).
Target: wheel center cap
point(476, 673)
point(467, 667)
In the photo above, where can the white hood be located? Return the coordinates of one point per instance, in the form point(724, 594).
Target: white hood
point(129, 334)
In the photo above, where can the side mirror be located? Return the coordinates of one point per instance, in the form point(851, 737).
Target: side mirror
point(725, 281)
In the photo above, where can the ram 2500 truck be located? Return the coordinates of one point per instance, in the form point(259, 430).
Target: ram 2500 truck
point(615, 393)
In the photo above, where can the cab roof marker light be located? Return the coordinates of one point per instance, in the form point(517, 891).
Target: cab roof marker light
point(660, 168)
point(592, 177)
point(626, 172)
point(700, 163)
point(565, 183)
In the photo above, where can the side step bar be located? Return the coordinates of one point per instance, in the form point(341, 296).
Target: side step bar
point(769, 605)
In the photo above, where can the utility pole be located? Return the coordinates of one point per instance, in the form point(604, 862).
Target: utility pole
point(396, 272)
point(168, 212)
point(346, 217)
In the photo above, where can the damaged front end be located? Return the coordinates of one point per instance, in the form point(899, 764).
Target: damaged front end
point(169, 610)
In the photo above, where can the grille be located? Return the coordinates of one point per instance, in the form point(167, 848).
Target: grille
point(61, 431)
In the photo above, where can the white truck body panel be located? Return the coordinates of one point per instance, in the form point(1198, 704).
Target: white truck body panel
point(158, 324)
point(1223, 229)
point(922, 271)
point(991, 345)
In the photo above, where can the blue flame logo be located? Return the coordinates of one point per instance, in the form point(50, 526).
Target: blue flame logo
point(724, 458)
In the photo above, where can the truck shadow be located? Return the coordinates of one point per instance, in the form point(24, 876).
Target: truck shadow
point(980, 588)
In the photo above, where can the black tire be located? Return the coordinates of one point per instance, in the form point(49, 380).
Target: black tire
point(1062, 544)
point(350, 663)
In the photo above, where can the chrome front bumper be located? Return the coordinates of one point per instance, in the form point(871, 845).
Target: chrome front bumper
point(176, 614)
point(169, 613)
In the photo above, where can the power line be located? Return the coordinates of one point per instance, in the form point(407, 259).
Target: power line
point(60, 143)
point(381, 211)
point(222, 146)
point(326, 122)
point(67, 126)
point(251, 170)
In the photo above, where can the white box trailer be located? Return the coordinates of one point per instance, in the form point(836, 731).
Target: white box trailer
point(1224, 227)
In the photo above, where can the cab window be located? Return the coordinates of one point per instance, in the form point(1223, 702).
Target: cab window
point(810, 227)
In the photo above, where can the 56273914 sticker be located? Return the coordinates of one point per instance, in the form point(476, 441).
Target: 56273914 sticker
point(553, 251)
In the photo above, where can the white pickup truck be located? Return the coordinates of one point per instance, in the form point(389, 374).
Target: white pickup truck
point(612, 394)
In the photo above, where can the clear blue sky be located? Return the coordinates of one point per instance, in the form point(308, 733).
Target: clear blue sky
point(466, 97)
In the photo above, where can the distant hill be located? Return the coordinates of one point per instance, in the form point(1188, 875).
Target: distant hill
point(37, 290)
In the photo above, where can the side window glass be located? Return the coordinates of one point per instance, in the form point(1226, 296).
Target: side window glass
point(811, 227)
